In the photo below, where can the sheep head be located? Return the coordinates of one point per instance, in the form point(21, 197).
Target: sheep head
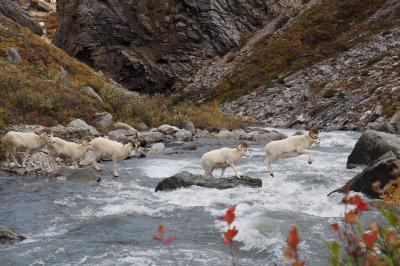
point(46, 135)
point(243, 148)
point(313, 133)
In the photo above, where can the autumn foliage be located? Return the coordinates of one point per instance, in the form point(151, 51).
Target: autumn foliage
point(291, 254)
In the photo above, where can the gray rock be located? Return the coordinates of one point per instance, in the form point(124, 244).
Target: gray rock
point(168, 129)
point(183, 135)
point(264, 137)
point(103, 119)
point(156, 148)
point(79, 123)
point(89, 91)
point(189, 146)
point(69, 133)
point(189, 126)
point(13, 55)
point(150, 136)
point(41, 5)
point(395, 121)
point(386, 127)
point(225, 134)
point(120, 125)
point(142, 127)
point(186, 179)
point(382, 171)
point(122, 134)
point(13, 10)
point(372, 145)
point(170, 151)
point(87, 174)
point(7, 236)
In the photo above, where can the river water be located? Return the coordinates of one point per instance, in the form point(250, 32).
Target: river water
point(112, 223)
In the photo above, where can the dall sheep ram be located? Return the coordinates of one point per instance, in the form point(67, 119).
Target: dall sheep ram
point(68, 151)
point(223, 158)
point(291, 147)
point(112, 150)
point(24, 142)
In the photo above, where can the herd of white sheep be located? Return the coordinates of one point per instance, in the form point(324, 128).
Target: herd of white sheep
point(107, 149)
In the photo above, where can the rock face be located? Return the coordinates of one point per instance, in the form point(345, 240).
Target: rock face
point(8, 236)
point(156, 45)
point(372, 145)
point(186, 179)
point(382, 171)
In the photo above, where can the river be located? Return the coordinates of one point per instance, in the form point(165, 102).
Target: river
point(112, 223)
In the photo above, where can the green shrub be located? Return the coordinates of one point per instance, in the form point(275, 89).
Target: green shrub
point(329, 94)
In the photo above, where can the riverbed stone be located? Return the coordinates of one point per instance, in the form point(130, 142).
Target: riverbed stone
point(183, 135)
point(188, 125)
point(186, 179)
point(156, 148)
point(168, 129)
point(103, 119)
point(79, 123)
point(150, 136)
point(380, 172)
point(8, 236)
point(85, 174)
point(372, 145)
point(189, 146)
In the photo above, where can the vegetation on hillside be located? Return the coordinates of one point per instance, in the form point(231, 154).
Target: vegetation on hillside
point(45, 88)
point(320, 32)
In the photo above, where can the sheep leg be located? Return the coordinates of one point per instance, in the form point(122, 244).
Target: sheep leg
point(222, 171)
point(269, 167)
point(234, 169)
point(116, 167)
point(13, 153)
point(26, 155)
point(310, 154)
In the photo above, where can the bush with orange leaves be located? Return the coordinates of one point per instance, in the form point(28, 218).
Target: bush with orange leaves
point(291, 254)
point(230, 232)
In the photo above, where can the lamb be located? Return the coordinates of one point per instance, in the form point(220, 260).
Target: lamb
point(25, 142)
point(68, 151)
point(223, 158)
point(291, 147)
point(110, 149)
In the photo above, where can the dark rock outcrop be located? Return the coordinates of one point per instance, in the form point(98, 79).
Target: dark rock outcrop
point(186, 179)
point(14, 11)
point(155, 45)
point(87, 174)
point(372, 145)
point(382, 171)
point(8, 236)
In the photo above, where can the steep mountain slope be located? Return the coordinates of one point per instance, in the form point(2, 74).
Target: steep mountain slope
point(157, 45)
point(41, 84)
point(330, 66)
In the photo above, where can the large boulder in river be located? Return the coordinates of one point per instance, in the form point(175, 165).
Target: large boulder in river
point(186, 179)
point(87, 174)
point(8, 236)
point(372, 145)
point(382, 171)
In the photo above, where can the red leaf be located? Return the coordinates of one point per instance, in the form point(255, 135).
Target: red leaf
point(161, 229)
point(391, 237)
point(350, 217)
point(293, 238)
point(231, 233)
point(361, 205)
point(227, 242)
point(170, 240)
point(229, 217)
point(302, 263)
point(157, 238)
point(335, 227)
point(370, 238)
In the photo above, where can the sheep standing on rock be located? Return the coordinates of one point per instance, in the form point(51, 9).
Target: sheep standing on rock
point(223, 158)
point(24, 142)
point(68, 151)
point(291, 147)
point(108, 149)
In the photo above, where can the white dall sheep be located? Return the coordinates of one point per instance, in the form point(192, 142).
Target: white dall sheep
point(291, 147)
point(223, 158)
point(24, 142)
point(109, 149)
point(68, 151)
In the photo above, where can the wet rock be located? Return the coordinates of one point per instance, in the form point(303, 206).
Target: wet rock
point(87, 174)
point(381, 170)
point(157, 148)
point(103, 119)
point(79, 123)
point(170, 151)
point(13, 55)
point(186, 179)
point(372, 145)
point(189, 146)
point(7, 236)
point(89, 91)
point(183, 135)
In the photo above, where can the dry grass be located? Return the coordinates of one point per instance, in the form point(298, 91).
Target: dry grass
point(321, 32)
point(37, 90)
